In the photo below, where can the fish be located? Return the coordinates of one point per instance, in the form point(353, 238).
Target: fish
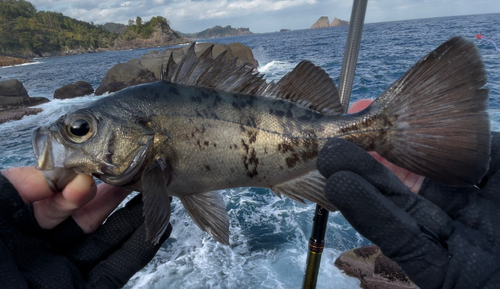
point(210, 125)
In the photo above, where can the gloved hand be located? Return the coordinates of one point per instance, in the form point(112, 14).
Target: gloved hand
point(65, 257)
point(445, 237)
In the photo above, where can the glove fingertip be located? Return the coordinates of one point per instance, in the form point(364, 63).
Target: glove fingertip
point(332, 156)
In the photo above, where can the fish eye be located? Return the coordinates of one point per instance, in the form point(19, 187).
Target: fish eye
point(79, 129)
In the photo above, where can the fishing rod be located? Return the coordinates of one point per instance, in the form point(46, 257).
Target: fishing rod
point(320, 220)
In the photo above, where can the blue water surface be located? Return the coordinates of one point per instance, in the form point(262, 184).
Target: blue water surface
point(268, 235)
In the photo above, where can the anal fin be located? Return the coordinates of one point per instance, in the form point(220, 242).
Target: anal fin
point(208, 211)
point(310, 187)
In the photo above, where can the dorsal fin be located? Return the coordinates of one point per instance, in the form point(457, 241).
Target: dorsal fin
point(307, 85)
point(201, 64)
point(205, 77)
point(169, 69)
point(310, 86)
point(189, 59)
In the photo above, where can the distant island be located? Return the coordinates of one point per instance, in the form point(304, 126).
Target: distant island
point(324, 22)
point(217, 31)
point(27, 33)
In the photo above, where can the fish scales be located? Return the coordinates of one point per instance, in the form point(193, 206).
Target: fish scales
point(209, 125)
point(264, 141)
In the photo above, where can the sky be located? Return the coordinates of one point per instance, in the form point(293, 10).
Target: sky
point(260, 16)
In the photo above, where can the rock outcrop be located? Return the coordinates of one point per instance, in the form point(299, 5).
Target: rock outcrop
point(72, 90)
point(13, 88)
point(15, 101)
point(322, 22)
point(8, 60)
point(147, 68)
point(160, 37)
point(373, 269)
point(124, 75)
point(337, 22)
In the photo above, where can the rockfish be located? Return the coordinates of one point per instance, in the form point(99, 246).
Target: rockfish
point(209, 125)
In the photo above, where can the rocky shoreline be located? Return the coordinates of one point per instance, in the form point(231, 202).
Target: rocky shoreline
point(9, 60)
point(160, 39)
point(15, 102)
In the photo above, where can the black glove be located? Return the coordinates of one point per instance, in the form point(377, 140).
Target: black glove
point(65, 257)
point(454, 243)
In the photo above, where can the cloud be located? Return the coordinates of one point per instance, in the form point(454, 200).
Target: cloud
point(258, 15)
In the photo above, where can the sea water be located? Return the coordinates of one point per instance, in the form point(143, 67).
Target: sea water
point(268, 235)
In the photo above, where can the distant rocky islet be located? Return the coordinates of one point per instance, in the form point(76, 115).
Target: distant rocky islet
point(323, 22)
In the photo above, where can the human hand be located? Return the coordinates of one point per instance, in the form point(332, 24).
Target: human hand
point(453, 244)
point(47, 232)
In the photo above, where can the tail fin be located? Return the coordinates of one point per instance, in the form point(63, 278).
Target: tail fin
point(438, 114)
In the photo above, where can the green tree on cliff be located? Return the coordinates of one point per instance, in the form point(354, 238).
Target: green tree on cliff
point(24, 30)
point(138, 29)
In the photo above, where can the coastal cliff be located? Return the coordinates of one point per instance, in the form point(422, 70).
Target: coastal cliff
point(322, 22)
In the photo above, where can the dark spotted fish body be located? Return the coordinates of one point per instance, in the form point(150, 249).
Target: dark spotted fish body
point(210, 125)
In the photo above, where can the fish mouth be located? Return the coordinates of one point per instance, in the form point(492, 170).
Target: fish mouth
point(49, 153)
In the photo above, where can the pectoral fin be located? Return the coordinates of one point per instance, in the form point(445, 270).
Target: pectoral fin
point(156, 208)
point(208, 211)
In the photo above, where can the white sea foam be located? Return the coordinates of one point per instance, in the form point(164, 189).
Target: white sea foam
point(24, 64)
point(192, 259)
point(51, 111)
point(275, 69)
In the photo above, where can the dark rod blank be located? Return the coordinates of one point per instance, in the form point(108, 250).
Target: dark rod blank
point(317, 239)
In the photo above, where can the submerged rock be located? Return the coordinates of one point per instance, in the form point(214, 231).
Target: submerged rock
point(79, 88)
point(373, 269)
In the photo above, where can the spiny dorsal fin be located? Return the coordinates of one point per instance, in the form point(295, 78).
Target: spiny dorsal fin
point(307, 84)
point(310, 187)
point(201, 65)
point(182, 73)
point(169, 69)
point(205, 78)
point(208, 211)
